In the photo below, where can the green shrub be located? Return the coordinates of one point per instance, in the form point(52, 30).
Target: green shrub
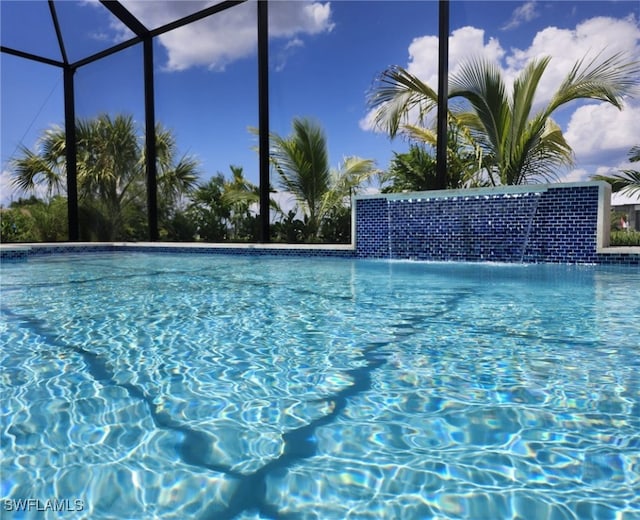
point(625, 238)
point(16, 225)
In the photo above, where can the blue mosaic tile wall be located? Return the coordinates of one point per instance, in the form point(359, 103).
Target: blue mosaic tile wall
point(475, 228)
point(552, 224)
point(372, 228)
point(564, 226)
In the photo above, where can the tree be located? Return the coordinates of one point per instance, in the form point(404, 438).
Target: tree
point(416, 169)
point(288, 229)
point(176, 179)
point(34, 220)
point(209, 212)
point(302, 163)
point(627, 181)
point(111, 174)
point(517, 144)
point(241, 196)
point(224, 209)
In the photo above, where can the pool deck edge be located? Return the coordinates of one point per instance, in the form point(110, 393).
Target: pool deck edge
point(22, 251)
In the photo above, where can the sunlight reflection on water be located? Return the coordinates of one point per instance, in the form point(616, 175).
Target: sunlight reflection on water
point(176, 386)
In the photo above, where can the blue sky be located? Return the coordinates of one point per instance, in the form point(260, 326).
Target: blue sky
point(324, 57)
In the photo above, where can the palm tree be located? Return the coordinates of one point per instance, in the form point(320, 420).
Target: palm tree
point(175, 178)
point(47, 167)
point(302, 163)
point(111, 176)
point(208, 210)
point(415, 170)
point(627, 181)
point(517, 144)
point(242, 196)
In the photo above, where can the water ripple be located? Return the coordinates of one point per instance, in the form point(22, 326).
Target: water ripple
point(216, 388)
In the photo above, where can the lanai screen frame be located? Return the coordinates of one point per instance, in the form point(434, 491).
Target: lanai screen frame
point(146, 36)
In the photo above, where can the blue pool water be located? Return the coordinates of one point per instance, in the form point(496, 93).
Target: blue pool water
point(187, 386)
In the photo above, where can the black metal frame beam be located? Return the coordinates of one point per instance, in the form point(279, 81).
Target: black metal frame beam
point(150, 140)
point(107, 52)
point(71, 145)
point(125, 16)
point(71, 154)
point(32, 57)
point(56, 25)
point(263, 119)
point(443, 94)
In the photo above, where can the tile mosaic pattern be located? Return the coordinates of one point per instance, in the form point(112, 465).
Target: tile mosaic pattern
point(14, 255)
point(618, 259)
point(372, 228)
point(556, 224)
point(23, 253)
point(564, 226)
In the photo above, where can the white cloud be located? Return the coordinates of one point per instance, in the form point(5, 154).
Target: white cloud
point(522, 14)
point(281, 57)
point(292, 44)
point(600, 128)
point(100, 36)
point(368, 123)
point(566, 46)
point(618, 199)
point(287, 202)
point(218, 40)
point(584, 174)
point(576, 175)
point(423, 52)
point(6, 188)
point(286, 19)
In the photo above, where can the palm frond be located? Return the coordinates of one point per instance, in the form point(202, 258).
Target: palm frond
point(542, 152)
point(607, 80)
point(480, 83)
point(301, 162)
point(524, 90)
point(352, 173)
point(179, 179)
point(396, 96)
point(422, 134)
point(627, 181)
point(32, 170)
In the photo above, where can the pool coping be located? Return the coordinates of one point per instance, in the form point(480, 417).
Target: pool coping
point(194, 245)
point(22, 251)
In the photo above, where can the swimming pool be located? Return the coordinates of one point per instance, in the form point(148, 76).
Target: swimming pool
point(192, 386)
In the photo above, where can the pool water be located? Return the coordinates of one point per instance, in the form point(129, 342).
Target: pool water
point(191, 386)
